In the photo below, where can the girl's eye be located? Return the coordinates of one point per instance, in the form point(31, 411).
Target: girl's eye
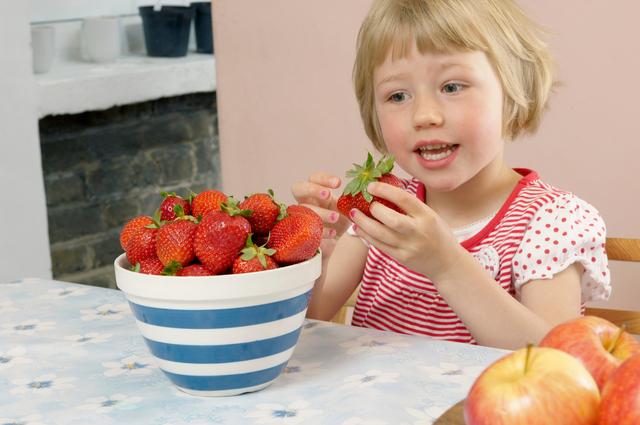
point(451, 88)
point(398, 97)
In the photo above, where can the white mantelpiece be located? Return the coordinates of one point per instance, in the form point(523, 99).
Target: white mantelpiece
point(74, 87)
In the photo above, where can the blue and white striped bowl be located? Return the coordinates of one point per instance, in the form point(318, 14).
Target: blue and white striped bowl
point(221, 335)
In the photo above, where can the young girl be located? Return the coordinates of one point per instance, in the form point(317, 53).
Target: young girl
point(485, 254)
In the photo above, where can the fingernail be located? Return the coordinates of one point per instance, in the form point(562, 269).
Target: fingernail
point(371, 186)
point(334, 217)
point(335, 181)
point(324, 193)
point(352, 213)
point(355, 227)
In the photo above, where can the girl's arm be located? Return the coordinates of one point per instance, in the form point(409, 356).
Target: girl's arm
point(342, 260)
point(341, 274)
point(495, 318)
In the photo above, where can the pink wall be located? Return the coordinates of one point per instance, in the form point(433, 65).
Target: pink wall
point(286, 103)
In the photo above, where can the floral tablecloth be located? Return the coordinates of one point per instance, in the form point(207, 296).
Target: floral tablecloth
point(72, 354)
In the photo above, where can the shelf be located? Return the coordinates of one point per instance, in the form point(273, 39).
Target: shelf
point(76, 87)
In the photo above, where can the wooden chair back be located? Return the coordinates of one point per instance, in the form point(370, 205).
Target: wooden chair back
point(618, 249)
point(621, 249)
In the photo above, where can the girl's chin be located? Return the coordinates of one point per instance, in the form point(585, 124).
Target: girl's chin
point(441, 183)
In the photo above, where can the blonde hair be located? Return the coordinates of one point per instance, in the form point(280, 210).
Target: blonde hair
point(499, 28)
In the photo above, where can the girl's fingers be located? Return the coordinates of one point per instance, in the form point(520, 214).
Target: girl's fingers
point(325, 179)
point(328, 217)
point(381, 245)
point(409, 203)
point(311, 193)
point(392, 219)
point(328, 233)
point(374, 229)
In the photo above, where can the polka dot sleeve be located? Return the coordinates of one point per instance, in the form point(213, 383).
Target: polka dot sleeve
point(561, 233)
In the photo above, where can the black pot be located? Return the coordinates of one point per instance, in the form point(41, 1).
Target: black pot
point(166, 31)
point(203, 27)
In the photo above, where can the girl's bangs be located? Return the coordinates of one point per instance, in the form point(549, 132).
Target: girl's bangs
point(439, 33)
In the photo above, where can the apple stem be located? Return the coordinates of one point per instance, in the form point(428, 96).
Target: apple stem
point(613, 344)
point(527, 356)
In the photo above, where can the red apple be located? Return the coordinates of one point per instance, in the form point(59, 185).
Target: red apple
point(621, 395)
point(533, 386)
point(599, 344)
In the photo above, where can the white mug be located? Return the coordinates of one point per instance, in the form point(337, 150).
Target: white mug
point(43, 48)
point(101, 38)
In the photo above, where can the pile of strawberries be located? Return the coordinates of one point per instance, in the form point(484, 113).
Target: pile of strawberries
point(211, 233)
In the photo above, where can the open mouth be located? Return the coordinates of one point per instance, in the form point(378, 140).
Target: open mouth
point(436, 152)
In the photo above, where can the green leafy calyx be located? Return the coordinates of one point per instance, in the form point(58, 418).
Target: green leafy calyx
point(362, 175)
point(252, 251)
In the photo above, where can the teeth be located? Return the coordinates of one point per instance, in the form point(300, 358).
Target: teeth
point(436, 156)
point(434, 147)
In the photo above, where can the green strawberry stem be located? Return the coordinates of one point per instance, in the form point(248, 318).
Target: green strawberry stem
point(172, 268)
point(167, 194)
point(179, 211)
point(362, 175)
point(231, 208)
point(157, 223)
point(252, 251)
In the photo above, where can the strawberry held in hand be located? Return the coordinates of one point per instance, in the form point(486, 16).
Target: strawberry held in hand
point(221, 235)
point(355, 194)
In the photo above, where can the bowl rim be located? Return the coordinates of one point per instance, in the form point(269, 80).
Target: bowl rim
point(217, 287)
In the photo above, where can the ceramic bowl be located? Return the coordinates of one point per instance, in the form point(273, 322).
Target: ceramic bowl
point(220, 335)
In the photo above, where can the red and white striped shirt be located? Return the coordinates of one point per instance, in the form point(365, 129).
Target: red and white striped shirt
point(538, 232)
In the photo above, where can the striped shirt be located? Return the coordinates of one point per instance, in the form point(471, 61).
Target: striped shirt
point(393, 297)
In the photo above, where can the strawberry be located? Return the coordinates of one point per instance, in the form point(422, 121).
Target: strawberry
point(301, 209)
point(296, 237)
point(175, 269)
point(194, 270)
point(171, 200)
point(142, 244)
point(206, 201)
point(221, 235)
point(131, 227)
point(150, 265)
point(254, 258)
point(265, 211)
point(355, 194)
point(174, 241)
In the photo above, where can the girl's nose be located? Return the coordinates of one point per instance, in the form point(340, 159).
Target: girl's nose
point(427, 113)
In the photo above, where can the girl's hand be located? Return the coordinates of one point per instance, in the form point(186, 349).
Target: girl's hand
point(420, 240)
point(316, 193)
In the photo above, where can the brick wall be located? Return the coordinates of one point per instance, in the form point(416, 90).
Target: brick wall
point(102, 168)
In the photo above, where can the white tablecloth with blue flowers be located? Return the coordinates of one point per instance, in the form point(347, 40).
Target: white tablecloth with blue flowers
point(72, 354)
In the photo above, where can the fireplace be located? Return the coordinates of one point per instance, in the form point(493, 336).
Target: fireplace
point(103, 167)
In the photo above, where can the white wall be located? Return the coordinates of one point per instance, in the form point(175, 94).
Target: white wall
point(24, 241)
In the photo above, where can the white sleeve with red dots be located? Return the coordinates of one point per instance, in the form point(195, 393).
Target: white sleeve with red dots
point(561, 233)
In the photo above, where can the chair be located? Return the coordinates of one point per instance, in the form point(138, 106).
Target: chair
point(618, 249)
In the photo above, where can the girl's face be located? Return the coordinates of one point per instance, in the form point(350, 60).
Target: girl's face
point(440, 115)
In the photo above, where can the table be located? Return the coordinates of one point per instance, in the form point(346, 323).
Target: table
point(72, 354)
